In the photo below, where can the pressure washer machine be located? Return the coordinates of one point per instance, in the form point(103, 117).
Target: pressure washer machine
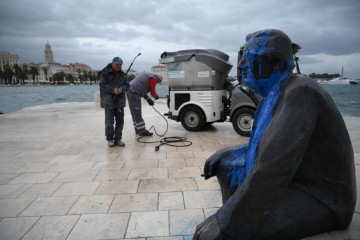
point(200, 92)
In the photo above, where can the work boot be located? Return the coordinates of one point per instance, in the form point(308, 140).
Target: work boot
point(111, 143)
point(119, 143)
point(145, 132)
point(136, 131)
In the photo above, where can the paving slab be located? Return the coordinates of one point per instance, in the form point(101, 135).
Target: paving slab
point(52, 228)
point(41, 190)
point(100, 226)
point(13, 207)
point(144, 224)
point(49, 206)
point(92, 204)
point(182, 222)
point(15, 228)
point(135, 202)
point(171, 201)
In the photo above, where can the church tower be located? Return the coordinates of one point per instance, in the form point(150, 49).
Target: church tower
point(48, 53)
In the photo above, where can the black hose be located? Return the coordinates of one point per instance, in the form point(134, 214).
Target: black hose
point(166, 140)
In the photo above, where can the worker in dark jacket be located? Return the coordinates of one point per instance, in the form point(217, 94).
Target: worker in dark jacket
point(140, 86)
point(296, 176)
point(113, 86)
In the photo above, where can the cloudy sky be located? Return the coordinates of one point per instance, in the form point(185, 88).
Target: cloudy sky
point(93, 32)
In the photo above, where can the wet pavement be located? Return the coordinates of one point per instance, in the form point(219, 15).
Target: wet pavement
point(60, 180)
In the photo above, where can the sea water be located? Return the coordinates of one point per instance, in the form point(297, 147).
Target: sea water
point(346, 98)
point(13, 98)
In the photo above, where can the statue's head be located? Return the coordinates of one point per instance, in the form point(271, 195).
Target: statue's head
point(267, 57)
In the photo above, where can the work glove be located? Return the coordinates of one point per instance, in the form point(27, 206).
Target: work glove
point(157, 97)
point(150, 102)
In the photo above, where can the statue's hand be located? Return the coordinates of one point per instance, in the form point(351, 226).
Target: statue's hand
point(209, 230)
point(212, 162)
point(226, 154)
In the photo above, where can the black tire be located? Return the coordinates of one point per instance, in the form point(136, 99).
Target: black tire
point(242, 121)
point(192, 119)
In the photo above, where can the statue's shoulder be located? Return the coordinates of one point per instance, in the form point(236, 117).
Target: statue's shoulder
point(300, 84)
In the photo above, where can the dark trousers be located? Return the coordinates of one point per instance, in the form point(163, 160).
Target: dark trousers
point(114, 115)
point(134, 101)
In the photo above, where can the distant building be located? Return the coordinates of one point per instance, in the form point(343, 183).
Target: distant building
point(48, 54)
point(161, 70)
point(49, 67)
point(79, 66)
point(8, 59)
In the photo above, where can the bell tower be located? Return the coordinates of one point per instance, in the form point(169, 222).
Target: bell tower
point(48, 53)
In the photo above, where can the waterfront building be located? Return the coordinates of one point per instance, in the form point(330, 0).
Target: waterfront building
point(161, 70)
point(7, 58)
point(79, 66)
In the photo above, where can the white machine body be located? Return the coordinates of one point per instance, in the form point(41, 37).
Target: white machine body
point(210, 102)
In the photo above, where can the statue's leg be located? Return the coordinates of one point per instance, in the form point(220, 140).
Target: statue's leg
point(225, 188)
point(297, 215)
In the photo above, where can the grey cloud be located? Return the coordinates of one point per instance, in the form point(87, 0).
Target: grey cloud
point(320, 27)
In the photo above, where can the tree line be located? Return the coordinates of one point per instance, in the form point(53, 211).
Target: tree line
point(324, 75)
point(17, 75)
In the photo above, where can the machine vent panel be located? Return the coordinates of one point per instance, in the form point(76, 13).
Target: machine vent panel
point(180, 99)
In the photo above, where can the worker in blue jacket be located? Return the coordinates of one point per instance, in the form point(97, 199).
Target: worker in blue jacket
point(113, 86)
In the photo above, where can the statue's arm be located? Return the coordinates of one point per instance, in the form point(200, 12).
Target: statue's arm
point(211, 164)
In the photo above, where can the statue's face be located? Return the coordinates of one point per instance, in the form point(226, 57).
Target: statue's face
point(255, 65)
point(259, 69)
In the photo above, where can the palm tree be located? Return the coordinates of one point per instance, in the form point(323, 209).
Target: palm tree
point(59, 77)
point(130, 77)
point(18, 71)
point(45, 69)
point(85, 74)
point(70, 78)
point(92, 77)
point(1, 76)
point(79, 75)
point(34, 72)
point(8, 74)
point(25, 73)
point(97, 76)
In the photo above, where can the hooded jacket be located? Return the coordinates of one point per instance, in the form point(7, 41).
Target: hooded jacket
point(108, 81)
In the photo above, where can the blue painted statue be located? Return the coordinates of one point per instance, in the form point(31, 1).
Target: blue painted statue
point(296, 176)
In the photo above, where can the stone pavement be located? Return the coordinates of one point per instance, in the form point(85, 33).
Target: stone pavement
point(59, 179)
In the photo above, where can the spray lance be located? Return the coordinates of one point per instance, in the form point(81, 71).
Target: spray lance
point(131, 64)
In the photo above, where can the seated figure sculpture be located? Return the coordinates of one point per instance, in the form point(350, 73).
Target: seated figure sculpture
point(296, 176)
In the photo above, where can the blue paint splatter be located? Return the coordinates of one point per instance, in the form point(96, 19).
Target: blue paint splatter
point(252, 55)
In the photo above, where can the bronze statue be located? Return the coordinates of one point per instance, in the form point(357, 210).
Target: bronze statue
point(296, 176)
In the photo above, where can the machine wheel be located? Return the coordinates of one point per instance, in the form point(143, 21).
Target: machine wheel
point(242, 121)
point(192, 119)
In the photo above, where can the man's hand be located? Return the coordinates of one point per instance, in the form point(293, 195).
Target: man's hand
point(150, 102)
point(209, 230)
point(117, 90)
